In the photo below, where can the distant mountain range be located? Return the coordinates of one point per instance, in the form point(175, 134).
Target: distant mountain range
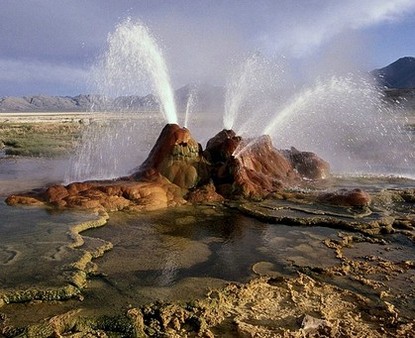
point(397, 80)
point(398, 75)
point(207, 98)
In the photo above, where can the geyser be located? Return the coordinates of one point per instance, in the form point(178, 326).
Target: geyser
point(178, 170)
point(343, 119)
point(346, 121)
point(253, 90)
point(134, 61)
point(113, 145)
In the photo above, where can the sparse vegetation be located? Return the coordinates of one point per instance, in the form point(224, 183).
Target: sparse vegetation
point(39, 138)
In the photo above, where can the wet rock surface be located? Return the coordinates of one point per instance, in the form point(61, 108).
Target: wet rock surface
point(176, 156)
point(365, 288)
point(346, 197)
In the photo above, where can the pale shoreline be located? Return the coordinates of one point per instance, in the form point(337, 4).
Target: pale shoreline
point(39, 116)
point(67, 116)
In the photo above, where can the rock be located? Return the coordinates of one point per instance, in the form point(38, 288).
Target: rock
point(137, 319)
point(203, 194)
point(311, 323)
point(345, 197)
point(55, 193)
point(308, 164)
point(251, 168)
point(176, 156)
point(23, 200)
point(221, 147)
point(230, 167)
point(108, 196)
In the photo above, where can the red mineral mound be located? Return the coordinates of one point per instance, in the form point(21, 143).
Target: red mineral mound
point(177, 168)
point(254, 168)
point(176, 156)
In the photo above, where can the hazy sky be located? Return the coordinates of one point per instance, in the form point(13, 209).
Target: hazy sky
point(48, 46)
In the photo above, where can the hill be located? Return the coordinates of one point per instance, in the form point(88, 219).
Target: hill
point(206, 97)
point(399, 74)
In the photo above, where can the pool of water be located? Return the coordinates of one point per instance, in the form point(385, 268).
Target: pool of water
point(25, 173)
point(159, 250)
point(169, 255)
point(35, 246)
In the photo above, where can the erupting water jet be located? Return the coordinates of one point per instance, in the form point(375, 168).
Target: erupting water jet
point(134, 59)
point(190, 104)
point(132, 64)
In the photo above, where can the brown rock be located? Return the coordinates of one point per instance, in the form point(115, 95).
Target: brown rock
point(77, 187)
point(82, 202)
point(55, 193)
point(345, 197)
point(252, 168)
point(115, 203)
point(206, 193)
point(23, 200)
point(221, 147)
point(176, 156)
point(308, 164)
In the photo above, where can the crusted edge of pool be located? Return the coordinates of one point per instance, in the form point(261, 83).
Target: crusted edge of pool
point(75, 273)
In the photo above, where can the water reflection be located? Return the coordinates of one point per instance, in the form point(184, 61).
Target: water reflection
point(24, 173)
point(160, 250)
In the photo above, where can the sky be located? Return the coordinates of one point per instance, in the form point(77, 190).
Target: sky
point(48, 47)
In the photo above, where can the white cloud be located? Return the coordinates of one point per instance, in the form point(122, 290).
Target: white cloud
point(301, 33)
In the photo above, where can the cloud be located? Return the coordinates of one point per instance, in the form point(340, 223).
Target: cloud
point(41, 77)
point(303, 32)
point(199, 38)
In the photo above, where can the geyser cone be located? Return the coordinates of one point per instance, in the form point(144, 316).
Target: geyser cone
point(258, 169)
point(176, 156)
point(221, 147)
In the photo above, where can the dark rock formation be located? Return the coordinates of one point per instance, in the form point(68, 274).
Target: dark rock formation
point(176, 156)
point(204, 194)
point(254, 168)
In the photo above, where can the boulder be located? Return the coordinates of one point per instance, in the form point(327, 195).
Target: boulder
point(307, 164)
point(344, 197)
point(203, 194)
